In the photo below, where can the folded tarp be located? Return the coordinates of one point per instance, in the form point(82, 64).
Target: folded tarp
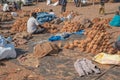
point(43, 17)
point(63, 36)
point(115, 22)
point(60, 36)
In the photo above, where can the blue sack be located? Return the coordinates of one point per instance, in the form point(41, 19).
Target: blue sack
point(43, 17)
point(115, 22)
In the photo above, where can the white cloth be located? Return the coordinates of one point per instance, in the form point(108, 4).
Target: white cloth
point(52, 13)
point(8, 51)
point(32, 25)
point(48, 2)
point(69, 17)
point(14, 14)
point(55, 4)
point(84, 1)
point(6, 7)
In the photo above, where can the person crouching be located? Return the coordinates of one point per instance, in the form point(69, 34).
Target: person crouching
point(33, 27)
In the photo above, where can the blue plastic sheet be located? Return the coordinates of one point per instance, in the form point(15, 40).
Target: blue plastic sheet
point(63, 36)
point(43, 17)
point(115, 22)
point(80, 32)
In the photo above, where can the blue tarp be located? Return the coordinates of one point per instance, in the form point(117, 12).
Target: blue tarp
point(115, 22)
point(43, 17)
point(63, 36)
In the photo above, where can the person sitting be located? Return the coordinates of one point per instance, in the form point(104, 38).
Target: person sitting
point(33, 27)
point(6, 7)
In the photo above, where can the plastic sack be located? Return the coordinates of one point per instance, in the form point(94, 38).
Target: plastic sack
point(104, 58)
point(115, 22)
point(48, 2)
point(2, 41)
point(14, 14)
point(8, 51)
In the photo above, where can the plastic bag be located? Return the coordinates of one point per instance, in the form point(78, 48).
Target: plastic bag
point(2, 41)
point(8, 51)
point(104, 58)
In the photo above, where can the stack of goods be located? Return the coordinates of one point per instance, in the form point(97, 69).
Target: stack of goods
point(104, 21)
point(72, 27)
point(65, 14)
point(38, 10)
point(20, 25)
point(21, 38)
point(25, 13)
point(6, 17)
point(98, 40)
point(51, 28)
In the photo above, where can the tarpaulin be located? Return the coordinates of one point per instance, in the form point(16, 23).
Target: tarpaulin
point(115, 22)
point(43, 17)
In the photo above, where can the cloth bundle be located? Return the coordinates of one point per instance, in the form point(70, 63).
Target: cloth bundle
point(85, 67)
point(43, 17)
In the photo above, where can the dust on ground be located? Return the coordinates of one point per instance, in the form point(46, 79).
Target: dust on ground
point(58, 67)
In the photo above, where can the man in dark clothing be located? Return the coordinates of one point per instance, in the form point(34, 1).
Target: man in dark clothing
point(15, 6)
point(63, 4)
point(77, 3)
point(102, 7)
point(19, 4)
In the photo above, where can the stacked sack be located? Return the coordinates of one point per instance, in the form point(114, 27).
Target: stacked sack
point(20, 25)
point(97, 40)
point(72, 27)
point(6, 17)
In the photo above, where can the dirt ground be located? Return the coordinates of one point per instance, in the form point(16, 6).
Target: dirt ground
point(58, 67)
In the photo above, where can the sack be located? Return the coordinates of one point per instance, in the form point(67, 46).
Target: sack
point(41, 50)
point(2, 41)
point(104, 58)
point(8, 51)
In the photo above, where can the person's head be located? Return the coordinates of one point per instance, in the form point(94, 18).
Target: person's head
point(50, 10)
point(7, 2)
point(119, 8)
point(117, 13)
point(34, 14)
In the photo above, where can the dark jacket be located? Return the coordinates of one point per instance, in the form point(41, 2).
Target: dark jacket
point(63, 2)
